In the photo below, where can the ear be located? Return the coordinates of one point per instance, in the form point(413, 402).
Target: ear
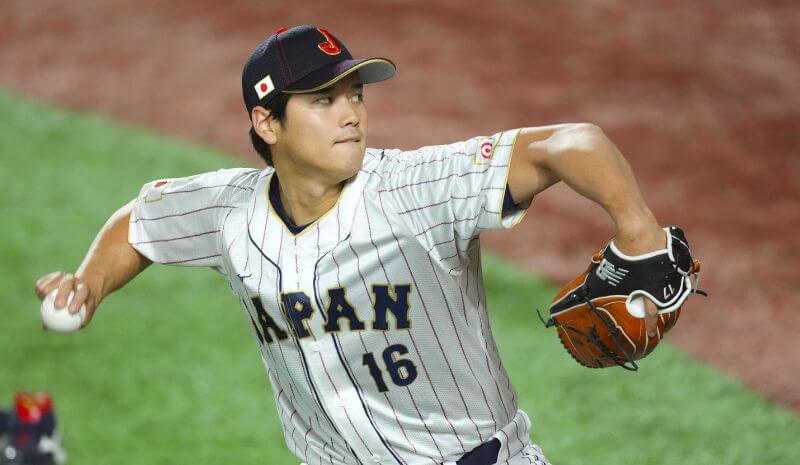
point(264, 125)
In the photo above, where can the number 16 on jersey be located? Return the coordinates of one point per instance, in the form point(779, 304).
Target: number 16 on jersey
point(402, 370)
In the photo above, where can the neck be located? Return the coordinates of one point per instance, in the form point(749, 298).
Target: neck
point(306, 198)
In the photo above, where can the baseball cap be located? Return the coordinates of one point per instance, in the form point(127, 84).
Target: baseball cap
point(304, 59)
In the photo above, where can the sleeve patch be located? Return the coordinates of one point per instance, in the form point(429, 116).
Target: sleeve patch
point(156, 191)
point(483, 156)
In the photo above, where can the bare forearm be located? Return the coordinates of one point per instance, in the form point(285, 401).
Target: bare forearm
point(585, 159)
point(111, 261)
point(589, 163)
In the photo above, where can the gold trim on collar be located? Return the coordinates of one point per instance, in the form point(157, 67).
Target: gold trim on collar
point(314, 224)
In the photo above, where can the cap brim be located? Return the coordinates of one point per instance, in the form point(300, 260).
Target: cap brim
point(369, 70)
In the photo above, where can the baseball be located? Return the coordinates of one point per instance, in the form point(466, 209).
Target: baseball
point(636, 307)
point(61, 320)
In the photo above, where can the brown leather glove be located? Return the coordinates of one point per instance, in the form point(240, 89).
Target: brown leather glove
point(599, 315)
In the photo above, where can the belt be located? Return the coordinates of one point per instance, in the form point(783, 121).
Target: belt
point(485, 454)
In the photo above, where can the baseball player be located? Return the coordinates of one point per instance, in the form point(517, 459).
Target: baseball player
point(358, 269)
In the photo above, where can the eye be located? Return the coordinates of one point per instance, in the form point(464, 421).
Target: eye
point(323, 100)
point(358, 96)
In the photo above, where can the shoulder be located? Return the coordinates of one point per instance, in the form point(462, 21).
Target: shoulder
point(430, 163)
point(224, 184)
point(388, 161)
point(229, 179)
point(465, 147)
point(237, 186)
point(239, 182)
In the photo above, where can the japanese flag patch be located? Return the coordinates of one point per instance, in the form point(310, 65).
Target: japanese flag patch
point(485, 151)
point(264, 86)
point(156, 191)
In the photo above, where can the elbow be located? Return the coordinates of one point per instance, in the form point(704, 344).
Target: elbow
point(586, 127)
point(585, 131)
point(546, 146)
point(584, 138)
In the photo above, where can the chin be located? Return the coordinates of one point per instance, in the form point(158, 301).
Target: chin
point(350, 160)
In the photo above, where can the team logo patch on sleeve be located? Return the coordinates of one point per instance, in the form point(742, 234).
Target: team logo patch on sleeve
point(485, 151)
point(264, 86)
point(156, 191)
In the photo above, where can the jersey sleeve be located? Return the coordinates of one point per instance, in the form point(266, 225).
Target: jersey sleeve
point(449, 194)
point(177, 221)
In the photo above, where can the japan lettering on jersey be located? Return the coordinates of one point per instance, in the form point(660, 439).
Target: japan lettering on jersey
point(372, 321)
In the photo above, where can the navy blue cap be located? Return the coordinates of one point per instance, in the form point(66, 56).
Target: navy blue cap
point(303, 59)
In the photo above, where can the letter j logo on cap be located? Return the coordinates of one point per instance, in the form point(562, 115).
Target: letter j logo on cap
point(264, 87)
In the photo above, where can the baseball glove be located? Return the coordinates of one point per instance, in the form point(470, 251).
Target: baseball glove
point(599, 315)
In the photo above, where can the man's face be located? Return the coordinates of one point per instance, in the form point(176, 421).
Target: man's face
point(325, 132)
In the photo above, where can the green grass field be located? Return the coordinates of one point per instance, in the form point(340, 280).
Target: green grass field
point(168, 372)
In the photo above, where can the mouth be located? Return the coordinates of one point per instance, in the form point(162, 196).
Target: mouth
point(353, 139)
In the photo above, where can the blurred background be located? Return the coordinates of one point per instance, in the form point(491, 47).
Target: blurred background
point(703, 99)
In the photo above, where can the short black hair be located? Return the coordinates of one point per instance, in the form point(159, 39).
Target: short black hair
point(277, 110)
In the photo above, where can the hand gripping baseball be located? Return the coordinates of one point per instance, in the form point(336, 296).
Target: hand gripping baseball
point(65, 285)
point(599, 315)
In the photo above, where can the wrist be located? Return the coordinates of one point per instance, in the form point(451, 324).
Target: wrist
point(638, 232)
point(95, 283)
point(633, 220)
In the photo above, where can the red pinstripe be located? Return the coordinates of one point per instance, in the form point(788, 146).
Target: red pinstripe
point(178, 238)
point(456, 175)
point(182, 214)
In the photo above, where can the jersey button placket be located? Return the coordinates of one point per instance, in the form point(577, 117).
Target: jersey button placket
point(335, 388)
point(321, 354)
point(313, 346)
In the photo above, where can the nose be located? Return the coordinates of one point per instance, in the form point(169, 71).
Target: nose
point(348, 114)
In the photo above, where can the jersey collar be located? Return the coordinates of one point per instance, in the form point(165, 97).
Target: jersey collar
point(268, 231)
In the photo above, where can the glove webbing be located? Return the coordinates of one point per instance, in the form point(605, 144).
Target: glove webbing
point(583, 296)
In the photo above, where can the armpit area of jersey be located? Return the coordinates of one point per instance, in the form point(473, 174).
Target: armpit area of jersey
point(275, 200)
point(509, 206)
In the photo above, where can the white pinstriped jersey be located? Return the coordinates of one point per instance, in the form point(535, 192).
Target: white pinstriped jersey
point(372, 321)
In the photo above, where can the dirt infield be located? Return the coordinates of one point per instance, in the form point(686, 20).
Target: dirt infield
point(703, 101)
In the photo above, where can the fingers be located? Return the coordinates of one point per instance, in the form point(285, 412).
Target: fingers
point(66, 285)
point(651, 318)
point(47, 283)
point(81, 294)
